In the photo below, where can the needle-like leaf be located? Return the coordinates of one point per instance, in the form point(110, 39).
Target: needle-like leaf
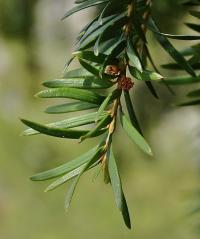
point(65, 168)
point(71, 190)
point(117, 188)
point(72, 93)
point(134, 134)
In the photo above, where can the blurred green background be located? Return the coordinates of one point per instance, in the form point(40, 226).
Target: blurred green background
point(34, 46)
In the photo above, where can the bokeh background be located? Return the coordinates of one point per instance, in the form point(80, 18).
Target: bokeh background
point(34, 46)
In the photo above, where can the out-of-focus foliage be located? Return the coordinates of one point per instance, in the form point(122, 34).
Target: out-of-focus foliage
point(169, 14)
point(17, 18)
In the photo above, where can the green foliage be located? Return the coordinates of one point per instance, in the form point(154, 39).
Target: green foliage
point(193, 55)
point(16, 18)
point(110, 49)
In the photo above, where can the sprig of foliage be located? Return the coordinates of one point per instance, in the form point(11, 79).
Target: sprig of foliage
point(113, 53)
point(193, 58)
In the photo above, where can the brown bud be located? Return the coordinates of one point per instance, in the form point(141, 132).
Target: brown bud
point(112, 70)
point(125, 83)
